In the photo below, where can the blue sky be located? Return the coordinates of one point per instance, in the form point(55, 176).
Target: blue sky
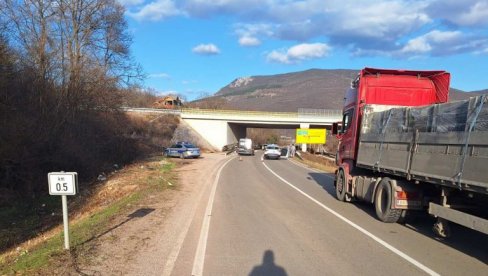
point(195, 47)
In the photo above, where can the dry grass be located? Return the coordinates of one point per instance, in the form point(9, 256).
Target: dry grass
point(318, 161)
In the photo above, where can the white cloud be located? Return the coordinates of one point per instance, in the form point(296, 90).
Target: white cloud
point(376, 24)
point(434, 43)
point(278, 56)
point(157, 10)
point(365, 27)
point(206, 49)
point(417, 45)
point(466, 13)
point(299, 53)
point(253, 29)
point(159, 76)
point(431, 42)
point(302, 20)
point(476, 15)
point(249, 41)
point(249, 33)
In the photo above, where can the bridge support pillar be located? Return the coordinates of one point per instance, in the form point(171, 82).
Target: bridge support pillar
point(304, 125)
point(217, 133)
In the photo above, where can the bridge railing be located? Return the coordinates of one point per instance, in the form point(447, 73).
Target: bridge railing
point(238, 112)
point(310, 112)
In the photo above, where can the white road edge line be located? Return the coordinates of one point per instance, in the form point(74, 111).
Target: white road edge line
point(359, 228)
point(202, 241)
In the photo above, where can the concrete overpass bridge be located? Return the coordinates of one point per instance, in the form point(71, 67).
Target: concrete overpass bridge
point(223, 127)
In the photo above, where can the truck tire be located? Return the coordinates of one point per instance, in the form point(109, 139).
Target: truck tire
point(341, 186)
point(382, 203)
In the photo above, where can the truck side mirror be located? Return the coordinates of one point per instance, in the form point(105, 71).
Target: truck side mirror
point(335, 128)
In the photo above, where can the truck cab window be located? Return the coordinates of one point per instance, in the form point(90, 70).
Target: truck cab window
point(346, 120)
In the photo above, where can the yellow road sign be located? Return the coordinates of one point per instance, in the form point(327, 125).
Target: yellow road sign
point(310, 136)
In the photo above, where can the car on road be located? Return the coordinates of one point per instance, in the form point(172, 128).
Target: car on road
point(272, 151)
point(182, 150)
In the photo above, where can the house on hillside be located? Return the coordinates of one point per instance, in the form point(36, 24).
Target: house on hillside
point(168, 102)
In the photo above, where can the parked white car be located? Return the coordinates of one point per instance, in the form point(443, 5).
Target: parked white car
point(272, 152)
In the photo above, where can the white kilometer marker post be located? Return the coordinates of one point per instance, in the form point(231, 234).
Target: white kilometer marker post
point(63, 184)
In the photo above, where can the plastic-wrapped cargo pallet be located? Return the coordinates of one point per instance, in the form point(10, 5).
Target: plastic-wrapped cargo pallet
point(443, 143)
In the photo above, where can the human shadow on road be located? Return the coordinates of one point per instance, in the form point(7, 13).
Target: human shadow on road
point(268, 267)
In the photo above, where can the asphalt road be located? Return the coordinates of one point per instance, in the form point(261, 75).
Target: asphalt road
point(274, 217)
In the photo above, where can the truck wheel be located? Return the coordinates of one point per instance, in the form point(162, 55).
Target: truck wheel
point(341, 186)
point(382, 203)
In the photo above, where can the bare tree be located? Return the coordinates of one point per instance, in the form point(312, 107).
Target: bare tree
point(32, 21)
point(65, 61)
point(73, 42)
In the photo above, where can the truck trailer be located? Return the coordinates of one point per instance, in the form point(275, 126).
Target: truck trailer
point(403, 148)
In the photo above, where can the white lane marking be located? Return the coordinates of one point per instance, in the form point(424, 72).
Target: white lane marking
point(202, 242)
point(359, 228)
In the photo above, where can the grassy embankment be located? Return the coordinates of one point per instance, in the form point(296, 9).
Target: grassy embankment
point(120, 193)
point(318, 162)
